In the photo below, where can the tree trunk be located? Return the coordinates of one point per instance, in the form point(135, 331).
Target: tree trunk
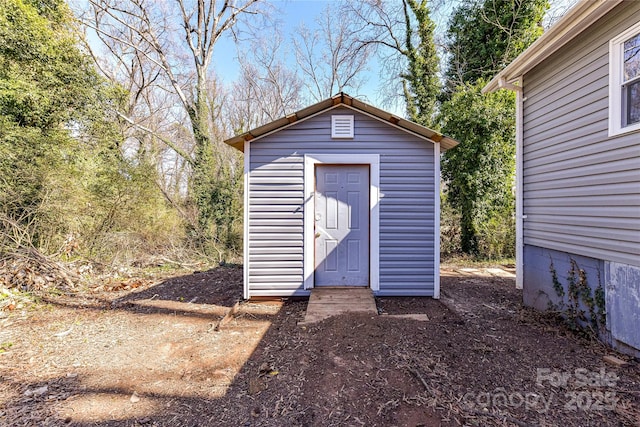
point(204, 164)
point(468, 232)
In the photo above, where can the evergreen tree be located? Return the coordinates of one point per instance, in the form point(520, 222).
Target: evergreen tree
point(46, 85)
point(62, 170)
point(479, 171)
point(484, 36)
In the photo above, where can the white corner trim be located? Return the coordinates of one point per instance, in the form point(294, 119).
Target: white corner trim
point(308, 249)
point(436, 221)
point(310, 162)
point(519, 187)
point(245, 225)
point(615, 82)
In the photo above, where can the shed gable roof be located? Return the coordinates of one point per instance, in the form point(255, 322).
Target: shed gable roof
point(574, 22)
point(342, 99)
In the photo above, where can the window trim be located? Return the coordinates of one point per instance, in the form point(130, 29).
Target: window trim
point(615, 82)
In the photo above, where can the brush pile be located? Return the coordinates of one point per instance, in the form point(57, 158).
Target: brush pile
point(28, 270)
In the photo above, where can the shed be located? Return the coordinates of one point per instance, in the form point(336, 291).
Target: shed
point(341, 193)
point(578, 165)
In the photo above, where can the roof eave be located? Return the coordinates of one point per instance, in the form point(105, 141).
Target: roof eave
point(341, 99)
point(580, 17)
point(445, 142)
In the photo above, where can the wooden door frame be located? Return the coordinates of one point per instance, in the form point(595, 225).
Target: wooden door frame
point(310, 162)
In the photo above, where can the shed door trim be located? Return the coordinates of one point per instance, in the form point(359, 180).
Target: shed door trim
point(310, 162)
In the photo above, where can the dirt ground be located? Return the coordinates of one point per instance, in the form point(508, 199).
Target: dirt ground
point(164, 354)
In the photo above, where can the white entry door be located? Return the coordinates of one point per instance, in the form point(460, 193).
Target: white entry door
point(342, 225)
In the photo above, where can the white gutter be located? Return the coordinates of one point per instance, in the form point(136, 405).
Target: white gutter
point(436, 221)
point(520, 217)
point(245, 226)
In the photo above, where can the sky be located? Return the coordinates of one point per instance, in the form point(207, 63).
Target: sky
point(293, 13)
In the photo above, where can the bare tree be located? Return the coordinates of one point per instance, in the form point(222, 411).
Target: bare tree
point(330, 57)
point(557, 9)
point(266, 89)
point(149, 120)
point(171, 46)
point(402, 34)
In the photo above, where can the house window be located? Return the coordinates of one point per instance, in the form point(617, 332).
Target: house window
point(624, 82)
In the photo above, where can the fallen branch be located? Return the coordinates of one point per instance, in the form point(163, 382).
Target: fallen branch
point(418, 376)
point(30, 270)
point(227, 317)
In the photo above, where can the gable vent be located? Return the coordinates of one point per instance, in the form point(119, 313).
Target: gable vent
point(341, 126)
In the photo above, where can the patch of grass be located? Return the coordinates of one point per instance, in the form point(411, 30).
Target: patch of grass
point(463, 260)
point(5, 346)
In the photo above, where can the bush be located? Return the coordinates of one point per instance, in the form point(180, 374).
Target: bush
point(497, 237)
point(450, 233)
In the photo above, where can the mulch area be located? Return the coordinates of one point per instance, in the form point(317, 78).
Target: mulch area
point(176, 353)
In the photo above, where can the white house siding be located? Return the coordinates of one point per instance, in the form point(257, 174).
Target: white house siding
point(276, 190)
point(581, 188)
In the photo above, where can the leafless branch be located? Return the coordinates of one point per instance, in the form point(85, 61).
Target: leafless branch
point(331, 58)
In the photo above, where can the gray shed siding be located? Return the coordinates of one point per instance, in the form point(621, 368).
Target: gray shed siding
point(581, 187)
point(276, 202)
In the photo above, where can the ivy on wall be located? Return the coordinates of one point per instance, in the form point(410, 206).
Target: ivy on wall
point(583, 306)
